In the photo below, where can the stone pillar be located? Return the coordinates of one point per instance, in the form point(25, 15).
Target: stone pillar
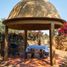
point(6, 44)
point(51, 42)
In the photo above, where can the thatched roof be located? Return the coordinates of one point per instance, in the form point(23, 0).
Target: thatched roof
point(32, 15)
point(34, 8)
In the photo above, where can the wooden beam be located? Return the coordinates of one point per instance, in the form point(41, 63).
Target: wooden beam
point(0, 44)
point(25, 39)
point(51, 42)
point(6, 44)
point(39, 38)
point(0, 49)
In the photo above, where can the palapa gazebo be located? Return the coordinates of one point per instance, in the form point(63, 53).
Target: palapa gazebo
point(33, 15)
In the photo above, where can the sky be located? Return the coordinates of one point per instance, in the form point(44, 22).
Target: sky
point(7, 5)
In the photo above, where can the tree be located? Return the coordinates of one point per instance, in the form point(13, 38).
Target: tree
point(2, 27)
point(63, 30)
point(62, 37)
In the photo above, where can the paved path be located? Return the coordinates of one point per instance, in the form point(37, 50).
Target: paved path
point(20, 62)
